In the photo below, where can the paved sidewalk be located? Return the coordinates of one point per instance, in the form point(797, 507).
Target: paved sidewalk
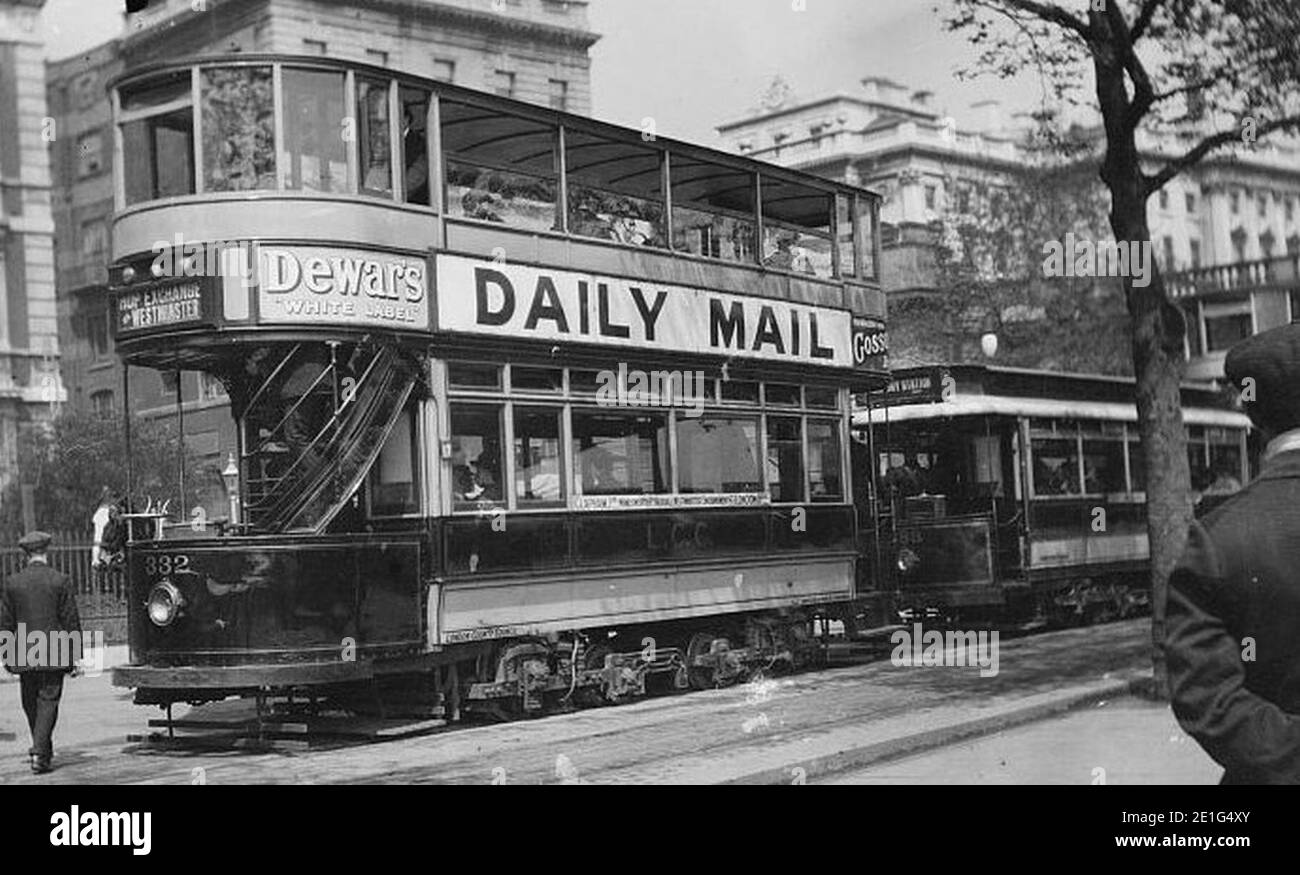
point(1126, 741)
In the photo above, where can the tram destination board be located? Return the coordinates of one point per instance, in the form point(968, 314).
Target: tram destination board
point(177, 303)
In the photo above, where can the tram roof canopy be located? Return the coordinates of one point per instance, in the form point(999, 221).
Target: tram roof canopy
point(998, 405)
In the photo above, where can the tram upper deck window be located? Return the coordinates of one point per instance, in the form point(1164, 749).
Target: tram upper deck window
point(713, 210)
point(717, 454)
point(238, 128)
point(844, 235)
point(796, 227)
point(615, 190)
point(620, 453)
point(373, 135)
point(158, 138)
point(500, 168)
point(1103, 466)
point(415, 146)
point(314, 153)
point(865, 212)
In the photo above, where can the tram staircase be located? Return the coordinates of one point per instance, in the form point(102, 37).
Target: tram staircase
point(302, 487)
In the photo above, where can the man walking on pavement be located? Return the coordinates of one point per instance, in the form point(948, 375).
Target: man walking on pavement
point(1234, 597)
point(40, 601)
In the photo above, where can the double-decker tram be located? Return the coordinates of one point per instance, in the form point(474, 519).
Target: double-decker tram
point(531, 409)
point(1019, 495)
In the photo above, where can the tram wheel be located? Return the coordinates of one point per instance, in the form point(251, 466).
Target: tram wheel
point(701, 643)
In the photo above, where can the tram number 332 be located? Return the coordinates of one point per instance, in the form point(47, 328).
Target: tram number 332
point(164, 564)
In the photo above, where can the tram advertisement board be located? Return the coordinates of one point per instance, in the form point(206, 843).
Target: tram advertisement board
point(173, 303)
point(329, 285)
point(508, 300)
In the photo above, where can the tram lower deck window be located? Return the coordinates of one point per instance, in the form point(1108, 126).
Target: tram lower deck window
point(475, 454)
point(825, 479)
point(718, 454)
point(785, 458)
point(620, 453)
point(538, 468)
point(393, 479)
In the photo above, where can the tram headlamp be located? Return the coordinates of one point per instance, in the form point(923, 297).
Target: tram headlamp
point(128, 274)
point(908, 560)
point(165, 603)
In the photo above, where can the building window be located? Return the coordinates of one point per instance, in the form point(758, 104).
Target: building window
point(559, 94)
point(503, 83)
point(1168, 244)
point(1234, 202)
point(1293, 245)
point(931, 196)
point(1263, 206)
point(444, 71)
point(97, 334)
point(1294, 297)
point(1239, 244)
point(90, 154)
point(1164, 199)
point(1226, 324)
point(313, 47)
point(101, 402)
point(1266, 241)
point(377, 57)
point(1196, 253)
point(1190, 200)
point(1290, 209)
point(94, 237)
point(85, 91)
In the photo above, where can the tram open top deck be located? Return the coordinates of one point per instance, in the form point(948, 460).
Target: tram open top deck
point(433, 307)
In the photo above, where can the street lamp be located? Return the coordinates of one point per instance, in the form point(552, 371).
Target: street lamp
point(231, 475)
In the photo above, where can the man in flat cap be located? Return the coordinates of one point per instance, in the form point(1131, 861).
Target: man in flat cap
point(38, 610)
point(1233, 622)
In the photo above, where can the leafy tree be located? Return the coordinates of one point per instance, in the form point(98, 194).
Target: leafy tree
point(988, 276)
point(1202, 75)
point(70, 460)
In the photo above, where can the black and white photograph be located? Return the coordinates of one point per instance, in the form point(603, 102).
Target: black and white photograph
point(858, 393)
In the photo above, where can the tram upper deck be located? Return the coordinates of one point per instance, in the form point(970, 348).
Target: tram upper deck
point(289, 195)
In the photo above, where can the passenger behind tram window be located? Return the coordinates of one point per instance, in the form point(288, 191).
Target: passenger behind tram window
point(474, 480)
point(1225, 483)
point(415, 155)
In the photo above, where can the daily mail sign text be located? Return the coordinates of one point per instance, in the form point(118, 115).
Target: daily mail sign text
point(508, 300)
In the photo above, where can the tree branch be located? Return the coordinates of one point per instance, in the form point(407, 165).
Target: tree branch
point(1144, 16)
point(1177, 165)
point(1053, 14)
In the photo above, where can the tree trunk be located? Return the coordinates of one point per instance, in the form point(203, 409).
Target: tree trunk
point(1157, 355)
